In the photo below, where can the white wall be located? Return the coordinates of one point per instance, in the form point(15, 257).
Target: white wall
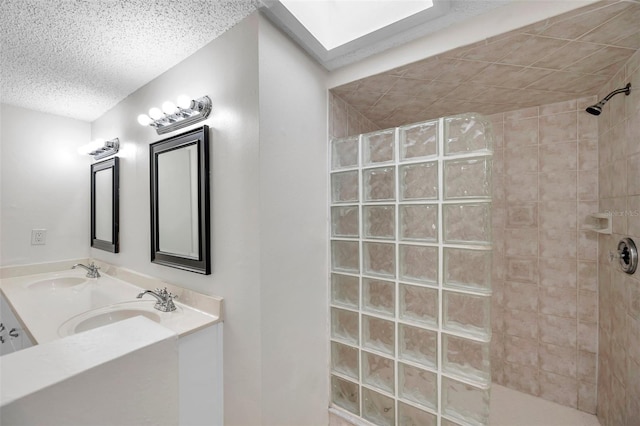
point(227, 71)
point(293, 233)
point(44, 185)
point(268, 211)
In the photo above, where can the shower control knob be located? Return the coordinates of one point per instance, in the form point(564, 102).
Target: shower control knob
point(627, 255)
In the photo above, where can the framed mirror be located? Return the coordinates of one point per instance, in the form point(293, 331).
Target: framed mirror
point(180, 225)
point(105, 205)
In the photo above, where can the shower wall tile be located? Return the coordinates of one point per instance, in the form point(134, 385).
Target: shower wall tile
point(618, 384)
point(546, 315)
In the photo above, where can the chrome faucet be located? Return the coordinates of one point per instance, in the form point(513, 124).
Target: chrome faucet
point(164, 299)
point(92, 269)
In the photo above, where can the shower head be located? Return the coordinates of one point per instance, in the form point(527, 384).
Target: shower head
point(597, 108)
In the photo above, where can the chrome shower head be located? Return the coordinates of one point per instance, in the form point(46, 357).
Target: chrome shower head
point(597, 108)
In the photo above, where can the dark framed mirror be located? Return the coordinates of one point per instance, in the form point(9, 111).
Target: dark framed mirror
point(105, 205)
point(180, 224)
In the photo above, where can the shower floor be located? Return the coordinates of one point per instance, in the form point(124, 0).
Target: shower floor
point(513, 408)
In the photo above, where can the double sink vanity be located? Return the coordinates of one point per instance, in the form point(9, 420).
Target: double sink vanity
point(62, 309)
point(57, 304)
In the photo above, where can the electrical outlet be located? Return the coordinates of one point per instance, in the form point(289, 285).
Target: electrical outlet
point(38, 237)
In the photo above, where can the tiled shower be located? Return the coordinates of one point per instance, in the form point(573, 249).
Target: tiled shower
point(411, 234)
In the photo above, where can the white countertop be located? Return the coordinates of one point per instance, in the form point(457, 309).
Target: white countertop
point(44, 308)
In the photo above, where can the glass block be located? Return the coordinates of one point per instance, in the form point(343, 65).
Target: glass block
point(379, 221)
point(377, 408)
point(378, 334)
point(465, 358)
point(345, 221)
point(379, 184)
point(344, 187)
point(344, 153)
point(418, 345)
point(419, 140)
point(379, 296)
point(409, 415)
point(378, 371)
point(467, 269)
point(379, 147)
point(419, 263)
point(380, 259)
point(418, 385)
point(467, 223)
point(466, 134)
point(419, 181)
point(345, 256)
point(465, 402)
point(345, 325)
point(419, 304)
point(468, 178)
point(419, 222)
point(344, 360)
point(345, 394)
point(345, 290)
point(467, 314)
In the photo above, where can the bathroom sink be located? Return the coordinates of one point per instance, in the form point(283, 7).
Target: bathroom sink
point(108, 315)
point(56, 283)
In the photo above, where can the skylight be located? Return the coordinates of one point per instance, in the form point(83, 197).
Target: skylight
point(337, 22)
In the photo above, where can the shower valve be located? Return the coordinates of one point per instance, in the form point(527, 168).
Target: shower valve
point(627, 255)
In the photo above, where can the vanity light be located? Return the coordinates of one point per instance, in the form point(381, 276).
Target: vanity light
point(100, 148)
point(184, 112)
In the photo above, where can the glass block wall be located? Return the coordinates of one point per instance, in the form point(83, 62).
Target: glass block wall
point(411, 273)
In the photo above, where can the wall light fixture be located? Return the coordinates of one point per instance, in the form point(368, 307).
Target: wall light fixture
point(184, 112)
point(100, 148)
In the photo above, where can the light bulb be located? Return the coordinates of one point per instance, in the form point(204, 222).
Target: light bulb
point(144, 120)
point(169, 108)
point(156, 113)
point(184, 102)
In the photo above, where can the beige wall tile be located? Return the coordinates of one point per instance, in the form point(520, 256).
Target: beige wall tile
point(521, 132)
point(558, 185)
point(521, 297)
point(587, 367)
point(558, 301)
point(521, 351)
point(518, 269)
point(557, 244)
point(558, 359)
point(587, 275)
point(558, 215)
point(520, 324)
point(560, 389)
point(557, 330)
point(558, 128)
point(587, 397)
point(522, 159)
point(522, 215)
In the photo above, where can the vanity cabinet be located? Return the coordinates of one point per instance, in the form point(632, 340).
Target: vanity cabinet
point(12, 336)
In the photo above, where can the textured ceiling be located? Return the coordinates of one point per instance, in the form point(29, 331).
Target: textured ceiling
point(79, 58)
point(565, 57)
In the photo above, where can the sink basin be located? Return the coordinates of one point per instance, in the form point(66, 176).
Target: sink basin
point(56, 283)
point(108, 315)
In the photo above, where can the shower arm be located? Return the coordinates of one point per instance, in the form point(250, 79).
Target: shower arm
point(626, 90)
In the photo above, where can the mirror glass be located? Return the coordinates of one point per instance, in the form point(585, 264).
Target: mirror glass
point(180, 201)
point(105, 205)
